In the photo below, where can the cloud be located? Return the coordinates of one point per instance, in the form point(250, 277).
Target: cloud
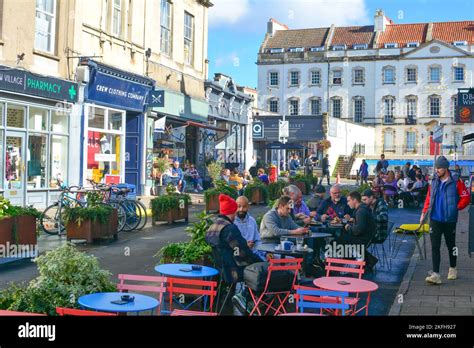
point(227, 60)
point(251, 15)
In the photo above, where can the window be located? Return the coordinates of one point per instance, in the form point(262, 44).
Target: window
point(294, 78)
point(337, 77)
point(36, 161)
point(294, 107)
point(411, 141)
point(434, 74)
point(411, 75)
point(413, 44)
point(277, 50)
point(117, 18)
point(188, 38)
point(358, 109)
point(454, 106)
point(389, 140)
point(59, 122)
point(37, 119)
point(458, 73)
point(273, 78)
point(391, 45)
point(411, 107)
point(315, 77)
point(16, 116)
point(273, 105)
point(315, 106)
point(358, 76)
point(460, 43)
point(58, 158)
point(317, 49)
point(389, 104)
point(457, 140)
point(165, 18)
point(360, 46)
point(388, 75)
point(338, 47)
point(45, 25)
point(296, 49)
point(435, 105)
point(336, 107)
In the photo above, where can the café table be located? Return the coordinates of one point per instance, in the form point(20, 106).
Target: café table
point(271, 248)
point(102, 302)
point(348, 284)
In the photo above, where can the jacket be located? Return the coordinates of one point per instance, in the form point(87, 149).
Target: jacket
point(363, 228)
point(456, 198)
point(330, 208)
point(273, 226)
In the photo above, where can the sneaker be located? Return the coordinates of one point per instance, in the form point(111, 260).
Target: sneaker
point(452, 273)
point(240, 303)
point(434, 278)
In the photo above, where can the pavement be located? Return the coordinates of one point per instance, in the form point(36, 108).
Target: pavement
point(452, 297)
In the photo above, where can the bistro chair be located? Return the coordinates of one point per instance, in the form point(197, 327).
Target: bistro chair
point(381, 252)
point(326, 301)
point(8, 313)
point(227, 285)
point(153, 284)
point(201, 288)
point(82, 313)
point(269, 295)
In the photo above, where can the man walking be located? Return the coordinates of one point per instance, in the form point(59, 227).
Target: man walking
point(325, 166)
point(446, 196)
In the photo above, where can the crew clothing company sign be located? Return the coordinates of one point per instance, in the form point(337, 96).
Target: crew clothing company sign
point(24, 82)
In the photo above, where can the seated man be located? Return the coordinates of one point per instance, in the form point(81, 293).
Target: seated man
point(193, 174)
point(379, 209)
point(248, 226)
point(335, 206)
point(300, 212)
point(318, 196)
point(278, 222)
point(177, 177)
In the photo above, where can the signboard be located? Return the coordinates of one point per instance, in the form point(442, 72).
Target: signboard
point(24, 82)
point(301, 128)
point(438, 134)
point(105, 157)
point(283, 129)
point(257, 130)
point(465, 107)
point(117, 93)
point(156, 99)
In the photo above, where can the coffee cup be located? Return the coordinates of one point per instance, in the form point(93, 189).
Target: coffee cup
point(286, 245)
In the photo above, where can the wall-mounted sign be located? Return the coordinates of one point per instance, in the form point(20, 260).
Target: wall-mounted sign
point(156, 99)
point(301, 128)
point(257, 130)
point(438, 134)
point(465, 107)
point(283, 129)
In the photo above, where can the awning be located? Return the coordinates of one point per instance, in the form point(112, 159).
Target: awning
point(206, 126)
point(276, 145)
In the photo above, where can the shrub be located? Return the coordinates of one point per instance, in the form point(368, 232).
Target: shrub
point(275, 189)
point(220, 187)
point(256, 185)
point(164, 204)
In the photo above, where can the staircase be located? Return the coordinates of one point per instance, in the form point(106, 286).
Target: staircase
point(344, 165)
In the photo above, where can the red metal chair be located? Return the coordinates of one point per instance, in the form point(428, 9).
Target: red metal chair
point(7, 313)
point(154, 284)
point(194, 287)
point(82, 313)
point(292, 265)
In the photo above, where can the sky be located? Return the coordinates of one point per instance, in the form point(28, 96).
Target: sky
point(237, 27)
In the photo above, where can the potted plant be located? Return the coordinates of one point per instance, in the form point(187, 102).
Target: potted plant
point(170, 207)
point(160, 166)
point(6, 222)
point(256, 192)
point(211, 196)
point(196, 250)
point(275, 189)
point(17, 224)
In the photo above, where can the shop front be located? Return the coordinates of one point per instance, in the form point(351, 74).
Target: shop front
point(114, 126)
point(35, 115)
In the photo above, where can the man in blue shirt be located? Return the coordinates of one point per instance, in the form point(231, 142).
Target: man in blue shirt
point(177, 177)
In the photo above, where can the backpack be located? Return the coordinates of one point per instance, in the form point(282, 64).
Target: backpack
point(255, 277)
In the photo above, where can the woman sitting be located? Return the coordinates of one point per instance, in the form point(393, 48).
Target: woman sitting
point(263, 177)
point(390, 186)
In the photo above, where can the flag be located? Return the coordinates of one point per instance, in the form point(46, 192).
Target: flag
point(160, 125)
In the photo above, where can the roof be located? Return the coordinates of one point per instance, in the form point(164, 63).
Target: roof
point(298, 38)
point(403, 34)
point(454, 31)
point(350, 36)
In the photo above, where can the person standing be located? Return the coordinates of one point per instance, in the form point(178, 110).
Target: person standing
point(363, 172)
point(446, 196)
point(308, 164)
point(382, 165)
point(325, 166)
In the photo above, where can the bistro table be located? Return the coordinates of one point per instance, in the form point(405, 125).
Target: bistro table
point(270, 248)
point(101, 301)
point(349, 284)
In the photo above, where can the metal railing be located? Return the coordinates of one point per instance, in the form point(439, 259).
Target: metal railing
point(416, 150)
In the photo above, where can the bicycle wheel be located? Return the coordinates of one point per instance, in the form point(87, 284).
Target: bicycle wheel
point(50, 220)
point(133, 213)
point(122, 216)
point(144, 219)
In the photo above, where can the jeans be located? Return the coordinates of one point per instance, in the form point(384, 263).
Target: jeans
point(325, 174)
point(448, 229)
point(174, 181)
point(196, 182)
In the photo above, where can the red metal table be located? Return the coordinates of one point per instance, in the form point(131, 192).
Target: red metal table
point(349, 284)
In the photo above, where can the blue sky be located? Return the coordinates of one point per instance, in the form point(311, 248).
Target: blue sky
point(237, 27)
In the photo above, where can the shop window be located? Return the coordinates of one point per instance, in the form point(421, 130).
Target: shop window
point(36, 161)
point(1, 159)
point(59, 121)
point(37, 119)
point(58, 159)
point(16, 116)
point(96, 117)
point(14, 157)
point(115, 120)
point(1, 115)
point(103, 156)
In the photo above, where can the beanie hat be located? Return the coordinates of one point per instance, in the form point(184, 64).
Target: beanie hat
point(227, 205)
point(320, 189)
point(442, 162)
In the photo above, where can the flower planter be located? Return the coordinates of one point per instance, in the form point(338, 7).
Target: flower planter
point(6, 231)
point(90, 231)
point(26, 230)
point(212, 205)
point(173, 215)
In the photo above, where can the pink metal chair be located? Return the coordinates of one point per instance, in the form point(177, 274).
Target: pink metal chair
point(194, 287)
point(7, 313)
point(292, 265)
point(154, 284)
point(82, 313)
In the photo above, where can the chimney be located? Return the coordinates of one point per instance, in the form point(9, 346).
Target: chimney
point(380, 21)
point(273, 26)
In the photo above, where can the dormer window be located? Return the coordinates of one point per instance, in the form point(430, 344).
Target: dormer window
point(413, 44)
point(460, 43)
point(338, 47)
point(276, 50)
point(317, 49)
point(360, 46)
point(296, 49)
point(391, 45)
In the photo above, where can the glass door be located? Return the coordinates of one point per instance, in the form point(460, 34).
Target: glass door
point(14, 164)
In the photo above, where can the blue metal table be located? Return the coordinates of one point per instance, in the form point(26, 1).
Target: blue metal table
point(101, 302)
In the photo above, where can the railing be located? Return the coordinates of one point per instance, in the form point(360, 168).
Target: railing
point(417, 150)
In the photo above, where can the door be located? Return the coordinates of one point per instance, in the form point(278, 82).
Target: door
point(133, 158)
point(14, 164)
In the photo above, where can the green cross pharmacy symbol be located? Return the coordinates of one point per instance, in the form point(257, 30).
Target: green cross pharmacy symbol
point(72, 92)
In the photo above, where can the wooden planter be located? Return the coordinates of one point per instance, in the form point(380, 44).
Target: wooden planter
point(257, 196)
point(6, 231)
point(213, 204)
point(93, 230)
point(173, 215)
point(26, 230)
point(302, 186)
